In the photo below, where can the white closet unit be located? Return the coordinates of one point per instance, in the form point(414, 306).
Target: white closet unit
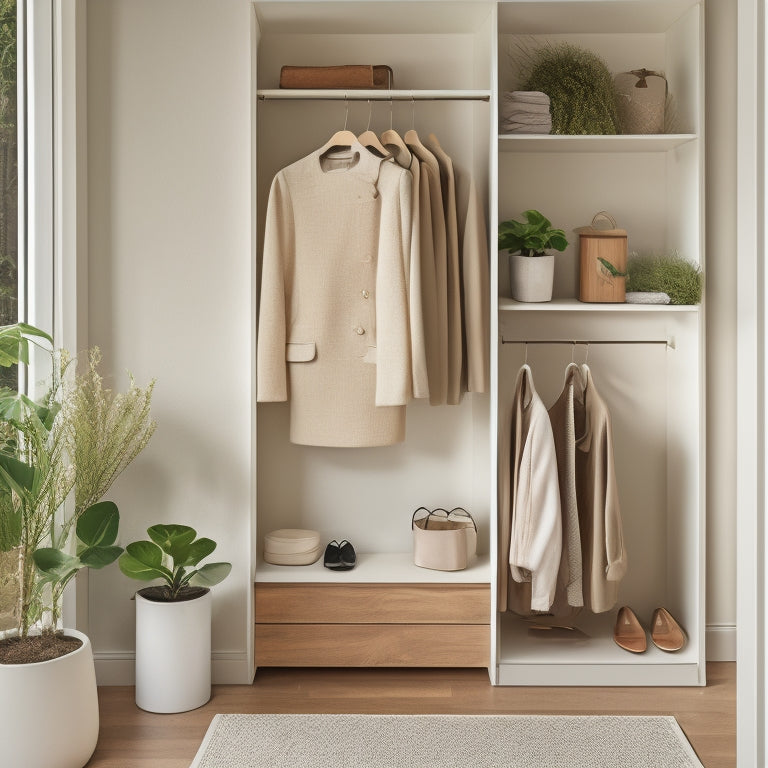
point(653, 185)
point(653, 385)
point(441, 55)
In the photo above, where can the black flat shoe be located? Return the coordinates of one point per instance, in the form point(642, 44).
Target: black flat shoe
point(348, 556)
point(332, 558)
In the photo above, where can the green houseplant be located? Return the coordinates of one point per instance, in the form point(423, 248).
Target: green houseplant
point(531, 268)
point(60, 452)
point(173, 619)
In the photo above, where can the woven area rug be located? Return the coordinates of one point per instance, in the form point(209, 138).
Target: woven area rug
point(444, 741)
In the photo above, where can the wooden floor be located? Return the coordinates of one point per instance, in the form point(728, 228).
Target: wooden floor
point(131, 738)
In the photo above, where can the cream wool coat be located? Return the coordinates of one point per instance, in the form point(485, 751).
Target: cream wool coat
point(333, 334)
point(530, 530)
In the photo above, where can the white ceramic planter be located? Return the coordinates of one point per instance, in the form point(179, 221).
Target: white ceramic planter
point(173, 654)
point(531, 277)
point(49, 711)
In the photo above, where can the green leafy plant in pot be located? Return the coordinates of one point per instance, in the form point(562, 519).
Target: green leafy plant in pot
point(173, 619)
point(60, 452)
point(532, 269)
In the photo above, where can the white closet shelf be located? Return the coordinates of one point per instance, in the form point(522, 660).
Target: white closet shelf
point(623, 143)
point(378, 568)
point(527, 652)
point(362, 94)
point(574, 305)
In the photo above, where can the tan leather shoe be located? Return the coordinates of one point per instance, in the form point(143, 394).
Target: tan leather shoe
point(627, 632)
point(666, 633)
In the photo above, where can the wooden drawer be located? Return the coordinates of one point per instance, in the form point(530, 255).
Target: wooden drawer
point(283, 603)
point(372, 645)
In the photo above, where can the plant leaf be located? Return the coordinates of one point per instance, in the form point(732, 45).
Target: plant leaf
point(54, 564)
point(199, 550)
point(174, 540)
point(17, 475)
point(98, 557)
point(210, 575)
point(138, 562)
point(98, 525)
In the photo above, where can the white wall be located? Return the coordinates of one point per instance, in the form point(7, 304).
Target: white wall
point(169, 180)
point(169, 175)
point(721, 50)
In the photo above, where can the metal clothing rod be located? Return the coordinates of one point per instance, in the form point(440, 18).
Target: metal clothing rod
point(667, 342)
point(293, 94)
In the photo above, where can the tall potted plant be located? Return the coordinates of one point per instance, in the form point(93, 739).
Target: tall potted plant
point(173, 619)
point(59, 455)
point(531, 268)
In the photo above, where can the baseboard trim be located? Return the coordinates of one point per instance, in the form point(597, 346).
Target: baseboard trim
point(721, 642)
point(118, 668)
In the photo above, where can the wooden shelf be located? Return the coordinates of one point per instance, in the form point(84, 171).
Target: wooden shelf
point(378, 568)
point(554, 143)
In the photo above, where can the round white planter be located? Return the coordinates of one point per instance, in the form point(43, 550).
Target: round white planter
point(49, 710)
point(531, 277)
point(173, 654)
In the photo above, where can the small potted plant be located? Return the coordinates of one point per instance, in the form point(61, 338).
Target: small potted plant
point(173, 619)
point(531, 268)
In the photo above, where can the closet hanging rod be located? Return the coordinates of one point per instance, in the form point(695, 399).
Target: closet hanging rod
point(324, 94)
point(588, 342)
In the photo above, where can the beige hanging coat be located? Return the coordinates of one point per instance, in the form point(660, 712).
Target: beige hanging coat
point(421, 303)
point(476, 295)
point(530, 529)
point(602, 541)
point(333, 336)
point(438, 372)
point(453, 273)
point(567, 416)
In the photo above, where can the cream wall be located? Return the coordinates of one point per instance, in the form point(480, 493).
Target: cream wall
point(169, 180)
point(721, 48)
point(169, 188)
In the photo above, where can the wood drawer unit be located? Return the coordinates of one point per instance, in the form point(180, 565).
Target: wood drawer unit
point(384, 625)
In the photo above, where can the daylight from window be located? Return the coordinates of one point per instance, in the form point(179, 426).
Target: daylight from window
point(9, 250)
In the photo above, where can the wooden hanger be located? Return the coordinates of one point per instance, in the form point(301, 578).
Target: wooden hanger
point(342, 138)
point(370, 140)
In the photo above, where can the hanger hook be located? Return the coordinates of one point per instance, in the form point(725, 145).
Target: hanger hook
point(586, 356)
point(370, 114)
point(525, 361)
point(391, 111)
point(346, 111)
point(413, 112)
point(573, 352)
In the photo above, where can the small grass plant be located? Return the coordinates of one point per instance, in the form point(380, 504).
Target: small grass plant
point(666, 272)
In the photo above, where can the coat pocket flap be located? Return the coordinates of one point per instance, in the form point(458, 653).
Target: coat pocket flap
point(300, 351)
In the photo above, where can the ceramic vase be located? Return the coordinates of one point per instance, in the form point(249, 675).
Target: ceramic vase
point(49, 710)
point(531, 277)
point(173, 653)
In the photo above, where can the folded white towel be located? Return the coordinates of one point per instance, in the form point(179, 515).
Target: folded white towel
point(527, 97)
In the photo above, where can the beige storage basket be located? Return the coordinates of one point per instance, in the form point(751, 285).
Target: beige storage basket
point(602, 261)
point(442, 540)
point(292, 546)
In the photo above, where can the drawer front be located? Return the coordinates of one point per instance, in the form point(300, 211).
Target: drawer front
point(372, 603)
point(361, 645)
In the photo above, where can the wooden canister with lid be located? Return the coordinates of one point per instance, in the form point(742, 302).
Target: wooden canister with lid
point(602, 261)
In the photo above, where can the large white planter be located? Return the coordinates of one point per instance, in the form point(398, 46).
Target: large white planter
point(49, 711)
point(531, 277)
point(173, 654)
